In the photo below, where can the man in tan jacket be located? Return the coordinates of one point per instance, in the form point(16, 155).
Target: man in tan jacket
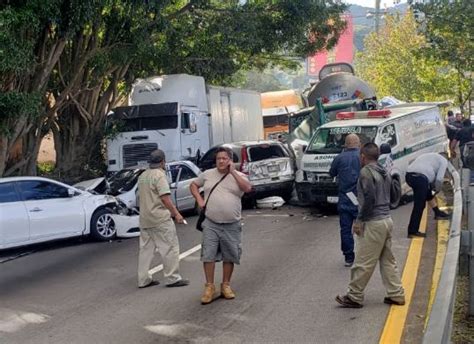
point(157, 229)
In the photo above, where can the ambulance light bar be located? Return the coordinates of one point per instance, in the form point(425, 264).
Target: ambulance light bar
point(363, 114)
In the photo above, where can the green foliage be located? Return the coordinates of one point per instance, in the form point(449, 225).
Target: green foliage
point(83, 55)
point(215, 39)
point(449, 30)
point(14, 105)
point(393, 63)
point(45, 168)
point(16, 52)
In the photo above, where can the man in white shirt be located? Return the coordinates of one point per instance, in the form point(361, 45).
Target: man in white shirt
point(425, 176)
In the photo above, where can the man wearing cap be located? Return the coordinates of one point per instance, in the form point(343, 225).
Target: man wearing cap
point(157, 229)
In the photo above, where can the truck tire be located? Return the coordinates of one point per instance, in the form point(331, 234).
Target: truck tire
point(395, 193)
point(102, 225)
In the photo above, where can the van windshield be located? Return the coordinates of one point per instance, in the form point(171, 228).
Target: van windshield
point(331, 140)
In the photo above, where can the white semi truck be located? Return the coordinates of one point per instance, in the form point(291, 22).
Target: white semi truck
point(182, 116)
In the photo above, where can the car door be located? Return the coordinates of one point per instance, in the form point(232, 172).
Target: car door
point(184, 198)
point(53, 213)
point(14, 220)
point(208, 161)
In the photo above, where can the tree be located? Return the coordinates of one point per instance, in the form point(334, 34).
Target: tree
point(33, 36)
point(449, 29)
point(107, 44)
point(394, 64)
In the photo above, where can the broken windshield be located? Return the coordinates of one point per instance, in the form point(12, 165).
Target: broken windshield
point(331, 140)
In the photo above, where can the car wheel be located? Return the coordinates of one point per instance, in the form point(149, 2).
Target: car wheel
point(102, 225)
point(395, 193)
point(287, 195)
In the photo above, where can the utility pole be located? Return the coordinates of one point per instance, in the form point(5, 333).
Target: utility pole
point(377, 16)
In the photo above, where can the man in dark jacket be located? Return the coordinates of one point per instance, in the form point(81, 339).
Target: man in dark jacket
point(374, 234)
point(346, 167)
point(463, 136)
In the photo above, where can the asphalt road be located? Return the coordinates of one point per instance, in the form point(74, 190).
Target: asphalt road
point(84, 292)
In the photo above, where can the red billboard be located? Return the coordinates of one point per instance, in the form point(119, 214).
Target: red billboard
point(342, 52)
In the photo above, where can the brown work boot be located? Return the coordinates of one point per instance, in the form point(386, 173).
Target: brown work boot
point(208, 295)
point(226, 291)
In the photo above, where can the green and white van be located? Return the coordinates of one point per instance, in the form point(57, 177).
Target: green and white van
point(410, 129)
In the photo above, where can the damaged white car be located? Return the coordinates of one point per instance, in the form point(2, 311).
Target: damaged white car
point(35, 209)
point(124, 186)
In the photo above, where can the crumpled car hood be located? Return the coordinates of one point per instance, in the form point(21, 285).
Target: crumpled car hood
point(89, 185)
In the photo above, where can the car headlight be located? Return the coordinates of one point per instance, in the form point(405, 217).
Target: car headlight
point(299, 176)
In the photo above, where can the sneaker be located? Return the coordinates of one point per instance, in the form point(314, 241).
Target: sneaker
point(390, 301)
point(416, 234)
point(346, 302)
point(442, 216)
point(348, 264)
point(226, 291)
point(208, 295)
point(151, 284)
point(180, 283)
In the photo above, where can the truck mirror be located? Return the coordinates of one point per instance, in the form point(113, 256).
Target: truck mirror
point(385, 148)
point(192, 123)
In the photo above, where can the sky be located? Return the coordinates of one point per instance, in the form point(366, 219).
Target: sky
point(371, 3)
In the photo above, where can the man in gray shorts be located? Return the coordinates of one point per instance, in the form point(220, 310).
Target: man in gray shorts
point(222, 230)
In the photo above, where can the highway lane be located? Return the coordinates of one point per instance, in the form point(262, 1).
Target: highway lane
point(292, 268)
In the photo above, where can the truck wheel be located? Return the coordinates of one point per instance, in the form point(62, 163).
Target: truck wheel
point(102, 225)
point(395, 193)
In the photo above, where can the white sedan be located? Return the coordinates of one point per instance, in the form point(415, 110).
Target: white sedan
point(35, 209)
point(124, 184)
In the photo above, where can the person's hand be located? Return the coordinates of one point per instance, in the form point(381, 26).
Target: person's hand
point(231, 166)
point(438, 186)
point(201, 203)
point(358, 228)
point(179, 218)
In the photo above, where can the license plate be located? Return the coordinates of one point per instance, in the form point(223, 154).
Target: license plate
point(333, 199)
point(274, 168)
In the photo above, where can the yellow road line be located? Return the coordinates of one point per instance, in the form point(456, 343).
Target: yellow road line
point(395, 323)
point(441, 246)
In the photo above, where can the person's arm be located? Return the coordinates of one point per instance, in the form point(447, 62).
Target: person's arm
point(333, 169)
point(196, 194)
point(163, 189)
point(452, 147)
point(367, 201)
point(443, 165)
point(242, 182)
point(168, 203)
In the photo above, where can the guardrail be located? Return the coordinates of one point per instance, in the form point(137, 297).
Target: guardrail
point(440, 321)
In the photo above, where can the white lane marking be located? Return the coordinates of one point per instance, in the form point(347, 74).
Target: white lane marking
point(268, 215)
point(13, 321)
point(181, 256)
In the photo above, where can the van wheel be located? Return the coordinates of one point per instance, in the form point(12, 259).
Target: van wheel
point(102, 225)
point(395, 193)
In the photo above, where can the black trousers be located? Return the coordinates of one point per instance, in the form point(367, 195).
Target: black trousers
point(421, 193)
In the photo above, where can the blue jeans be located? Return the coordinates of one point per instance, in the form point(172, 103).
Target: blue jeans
point(346, 219)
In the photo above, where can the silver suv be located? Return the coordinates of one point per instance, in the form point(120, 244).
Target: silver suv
point(270, 166)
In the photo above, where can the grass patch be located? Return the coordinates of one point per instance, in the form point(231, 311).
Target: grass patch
point(45, 168)
point(463, 325)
